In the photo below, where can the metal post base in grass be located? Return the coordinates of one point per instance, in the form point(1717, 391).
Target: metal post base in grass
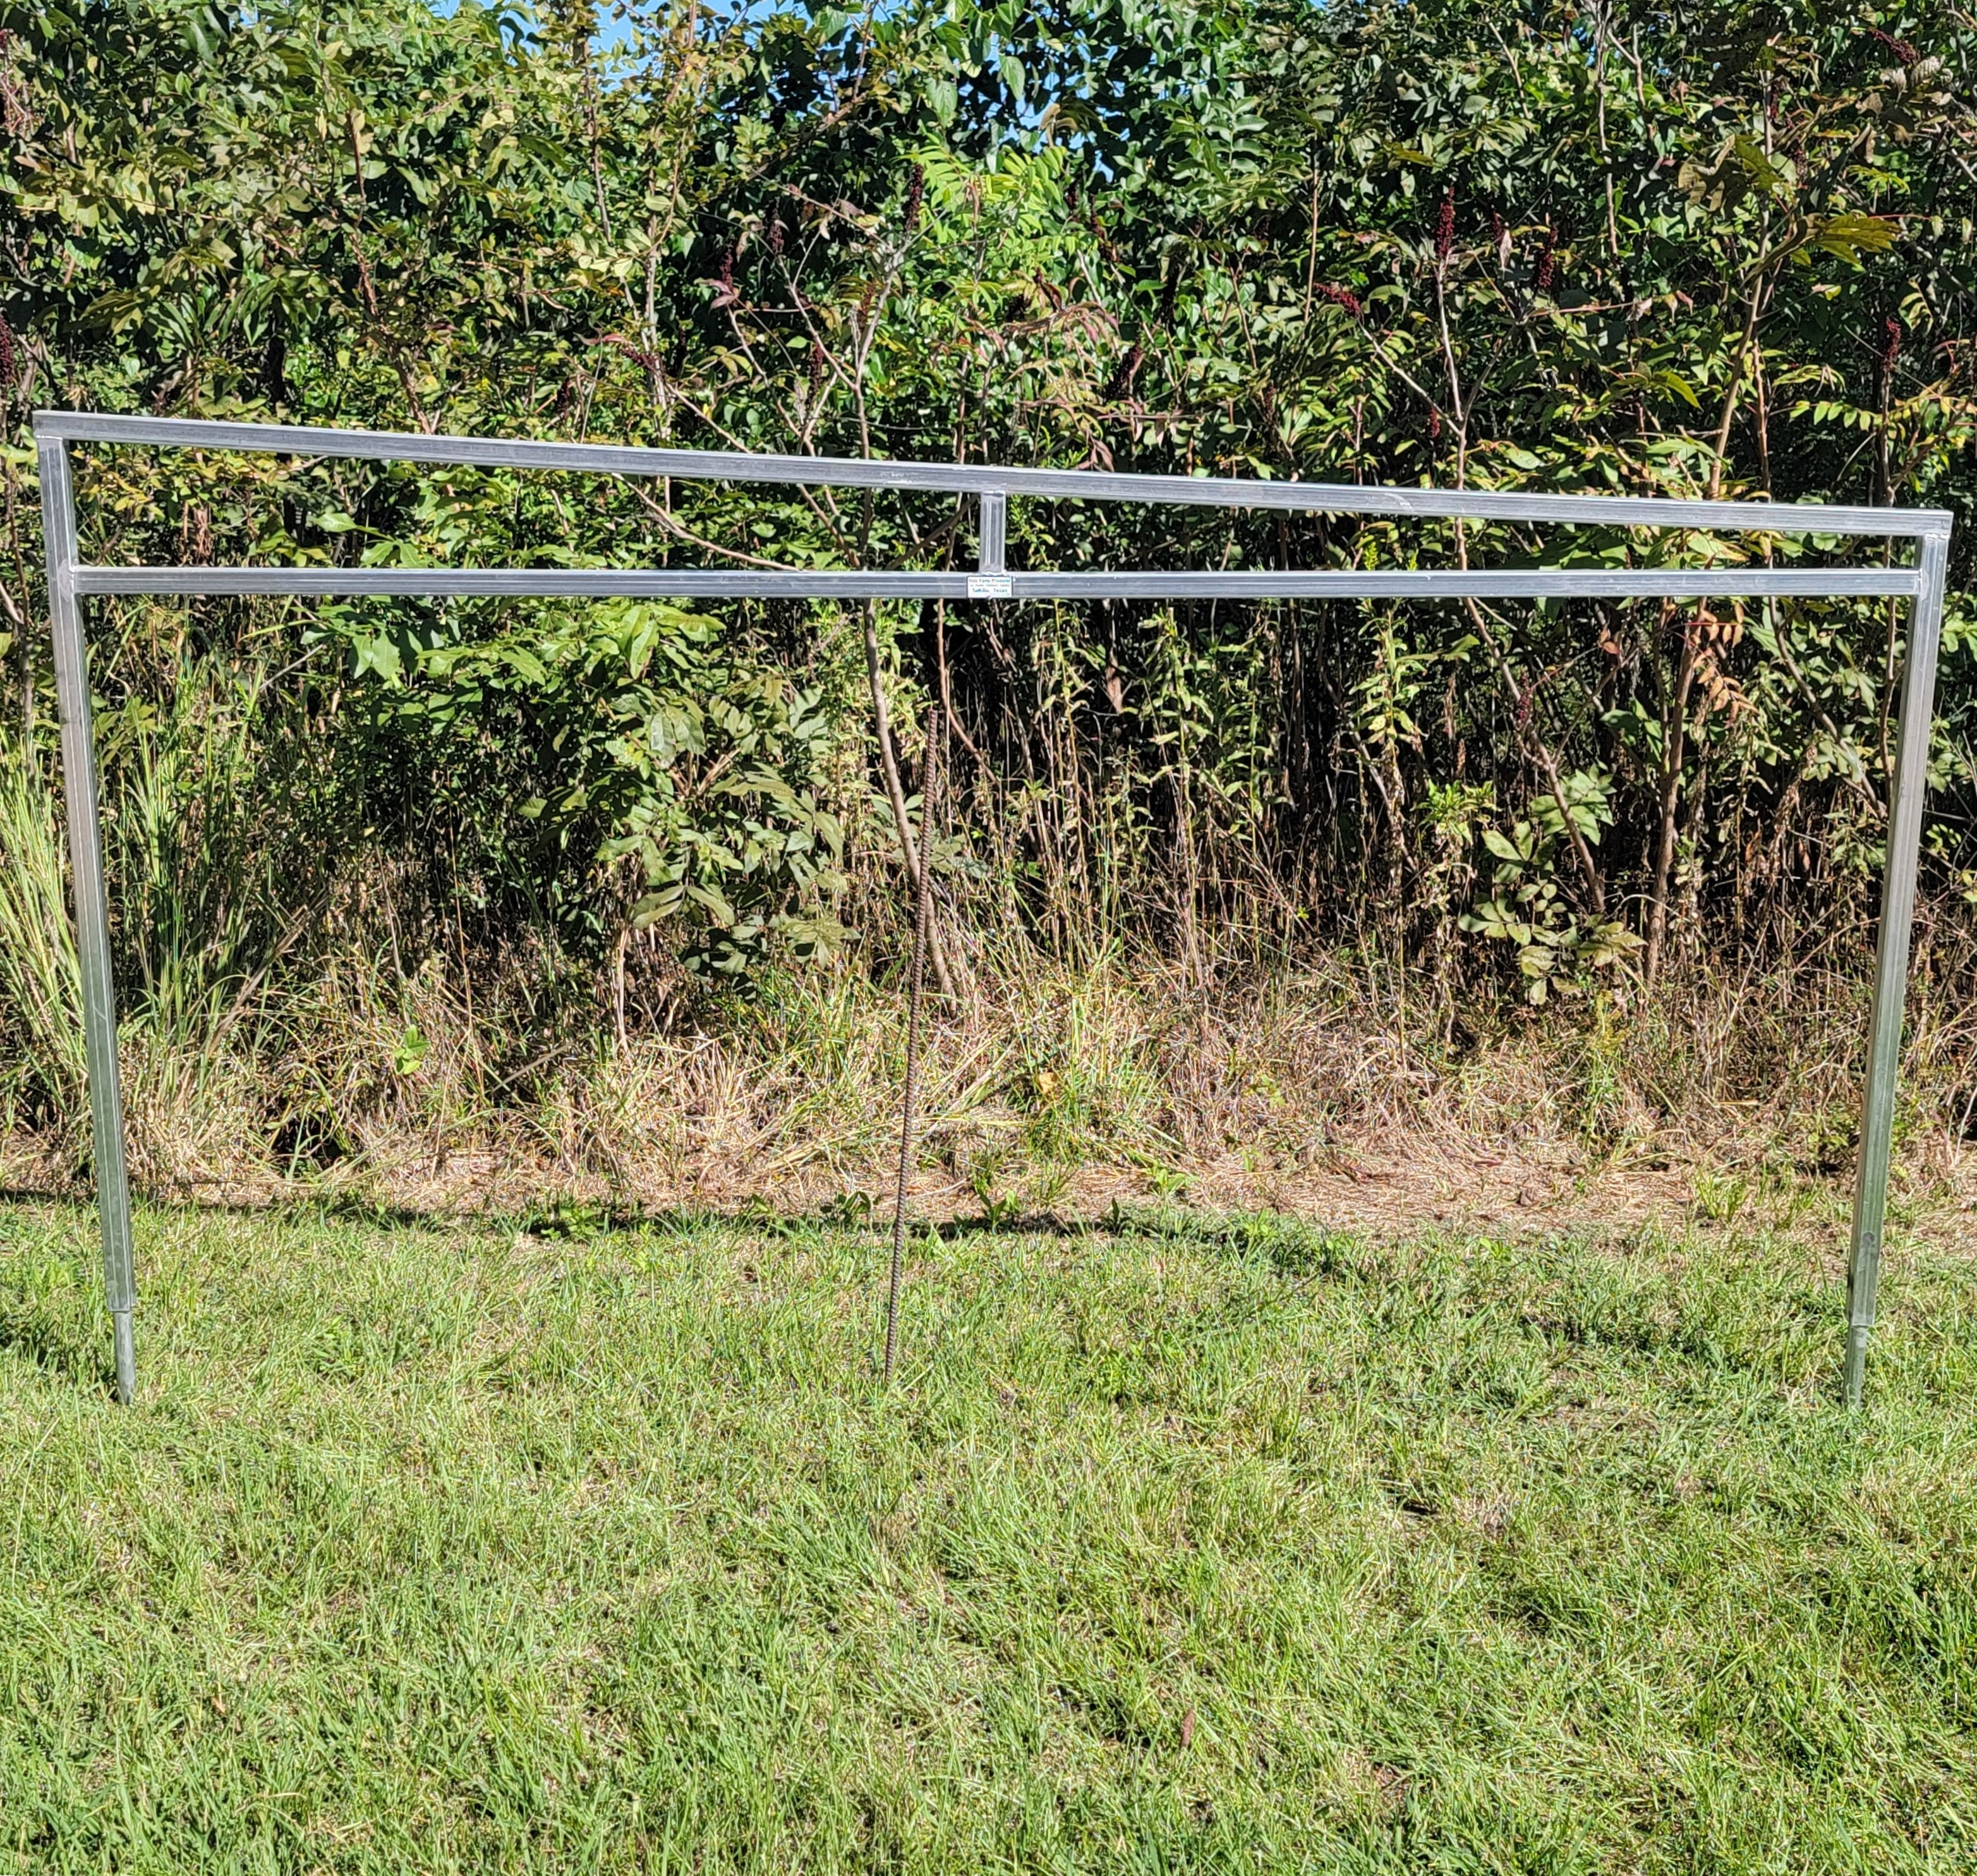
point(70, 579)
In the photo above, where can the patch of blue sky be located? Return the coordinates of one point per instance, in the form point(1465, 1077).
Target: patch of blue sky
point(613, 33)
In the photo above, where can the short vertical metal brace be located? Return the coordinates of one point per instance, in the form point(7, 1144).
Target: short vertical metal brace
point(92, 908)
point(1891, 973)
point(993, 532)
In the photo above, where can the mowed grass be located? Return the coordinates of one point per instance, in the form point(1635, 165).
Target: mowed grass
point(1192, 1546)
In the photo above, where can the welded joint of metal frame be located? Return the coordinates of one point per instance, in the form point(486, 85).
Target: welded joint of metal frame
point(990, 580)
point(69, 581)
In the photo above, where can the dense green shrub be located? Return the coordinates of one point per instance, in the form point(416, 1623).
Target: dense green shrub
point(1656, 248)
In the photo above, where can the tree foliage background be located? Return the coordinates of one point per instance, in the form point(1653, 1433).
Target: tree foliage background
point(1721, 249)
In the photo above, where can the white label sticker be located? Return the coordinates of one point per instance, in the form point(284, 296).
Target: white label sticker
point(988, 585)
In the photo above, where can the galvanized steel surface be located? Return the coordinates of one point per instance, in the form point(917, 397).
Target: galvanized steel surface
point(1723, 583)
point(92, 911)
point(970, 478)
point(1891, 966)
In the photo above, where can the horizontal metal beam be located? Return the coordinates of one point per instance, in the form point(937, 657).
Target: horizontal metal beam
point(964, 478)
point(703, 582)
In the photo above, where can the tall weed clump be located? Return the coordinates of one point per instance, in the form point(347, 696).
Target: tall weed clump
point(41, 1068)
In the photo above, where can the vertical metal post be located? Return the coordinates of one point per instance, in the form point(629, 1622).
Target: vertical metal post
point(1891, 973)
point(92, 908)
point(994, 531)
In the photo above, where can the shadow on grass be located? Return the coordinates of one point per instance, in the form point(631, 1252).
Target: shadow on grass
point(41, 1198)
point(54, 1348)
point(1288, 1241)
point(301, 1204)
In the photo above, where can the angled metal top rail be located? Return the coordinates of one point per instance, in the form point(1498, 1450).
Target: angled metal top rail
point(1921, 583)
point(983, 479)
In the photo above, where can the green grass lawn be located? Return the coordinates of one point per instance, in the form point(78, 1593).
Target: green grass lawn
point(1191, 1546)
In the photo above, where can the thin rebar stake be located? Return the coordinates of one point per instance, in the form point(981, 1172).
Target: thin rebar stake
point(922, 912)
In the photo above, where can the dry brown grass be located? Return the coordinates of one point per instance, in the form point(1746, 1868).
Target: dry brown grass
point(1335, 1090)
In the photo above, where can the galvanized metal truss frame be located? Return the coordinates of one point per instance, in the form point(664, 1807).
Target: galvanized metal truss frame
point(71, 580)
